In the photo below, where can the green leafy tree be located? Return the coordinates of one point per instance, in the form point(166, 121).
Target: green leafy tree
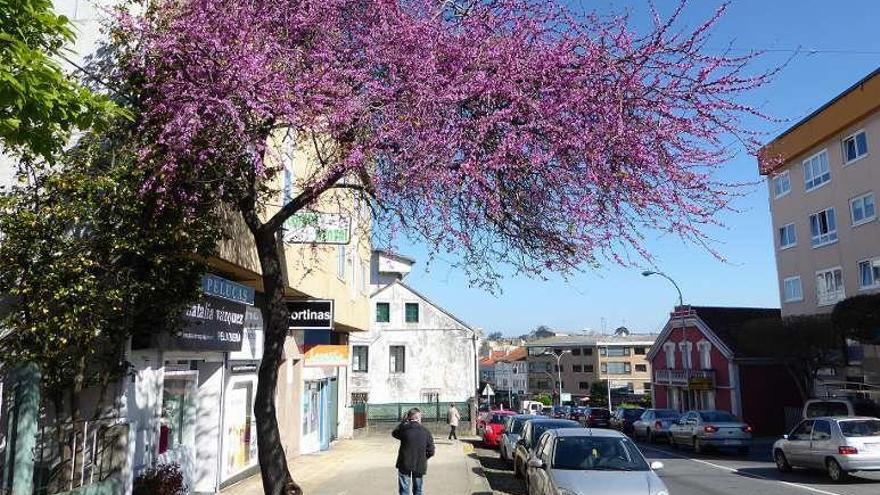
point(599, 393)
point(858, 318)
point(89, 261)
point(40, 104)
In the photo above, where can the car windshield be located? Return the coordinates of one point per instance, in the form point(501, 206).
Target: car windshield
point(633, 413)
point(498, 418)
point(516, 426)
point(860, 428)
point(666, 414)
point(539, 428)
point(598, 454)
point(717, 416)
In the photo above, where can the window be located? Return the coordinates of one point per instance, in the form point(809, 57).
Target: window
point(584, 385)
point(829, 286)
point(614, 351)
point(802, 431)
point(855, 147)
point(340, 261)
point(862, 209)
point(781, 184)
point(576, 351)
point(823, 227)
point(397, 355)
point(686, 359)
point(412, 312)
point(787, 236)
point(642, 368)
point(705, 350)
point(816, 171)
point(669, 352)
point(588, 351)
point(588, 368)
point(646, 386)
point(869, 274)
point(616, 368)
point(639, 351)
point(430, 396)
point(792, 290)
point(360, 357)
point(576, 368)
point(383, 312)
point(821, 430)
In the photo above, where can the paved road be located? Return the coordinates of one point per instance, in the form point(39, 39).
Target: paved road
point(710, 474)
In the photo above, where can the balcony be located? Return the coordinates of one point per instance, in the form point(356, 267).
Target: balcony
point(692, 379)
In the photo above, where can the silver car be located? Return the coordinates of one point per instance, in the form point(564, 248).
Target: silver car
point(654, 424)
point(717, 429)
point(839, 445)
point(578, 461)
point(513, 426)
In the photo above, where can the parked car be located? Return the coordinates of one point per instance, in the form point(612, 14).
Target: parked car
point(623, 418)
point(700, 429)
point(532, 430)
point(597, 417)
point(654, 424)
point(839, 445)
point(598, 462)
point(494, 427)
point(560, 412)
point(513, 426)
point(546, 411)
point(531, 407)
point(578, 413)
point(841, 406)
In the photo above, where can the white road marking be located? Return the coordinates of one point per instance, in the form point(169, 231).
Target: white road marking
point(737, 471)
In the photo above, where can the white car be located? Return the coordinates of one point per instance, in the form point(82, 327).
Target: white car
point(715, 429)
point(581, 461)
point(839, 445)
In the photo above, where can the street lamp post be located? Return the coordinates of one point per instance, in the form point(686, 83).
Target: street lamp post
point(648, 273)
point(559, 369)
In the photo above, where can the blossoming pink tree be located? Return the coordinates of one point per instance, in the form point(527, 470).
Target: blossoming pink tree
point(505, 132)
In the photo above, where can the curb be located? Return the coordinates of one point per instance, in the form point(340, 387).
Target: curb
point(479, 481)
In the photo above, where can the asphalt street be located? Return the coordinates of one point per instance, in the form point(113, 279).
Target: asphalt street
point(716, 473)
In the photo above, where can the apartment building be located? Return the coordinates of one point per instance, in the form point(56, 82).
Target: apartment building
point(823, 176)
point(618, 360)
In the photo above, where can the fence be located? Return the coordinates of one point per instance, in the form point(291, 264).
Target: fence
point(71, 455)
point(432, 412)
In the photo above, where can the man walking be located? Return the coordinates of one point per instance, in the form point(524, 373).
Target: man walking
point(452, 419)
point(416, 447)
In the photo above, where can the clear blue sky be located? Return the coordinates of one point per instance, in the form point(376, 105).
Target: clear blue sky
point(846, 37)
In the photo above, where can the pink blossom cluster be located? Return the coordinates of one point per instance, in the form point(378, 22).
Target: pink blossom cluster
point(513, 130)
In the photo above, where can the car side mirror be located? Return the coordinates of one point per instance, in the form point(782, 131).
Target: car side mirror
point(785, 437)
point(656, 465)
point(536, 463)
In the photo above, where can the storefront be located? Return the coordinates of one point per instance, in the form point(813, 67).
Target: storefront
point(191, 400)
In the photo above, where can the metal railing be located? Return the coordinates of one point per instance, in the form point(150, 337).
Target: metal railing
point(431, 411)
point(71, 455)
point(682, 376)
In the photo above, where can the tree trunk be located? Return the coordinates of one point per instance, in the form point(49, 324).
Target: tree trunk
point(273, 462)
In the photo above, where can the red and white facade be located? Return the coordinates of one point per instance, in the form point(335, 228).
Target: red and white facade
point(696, 367)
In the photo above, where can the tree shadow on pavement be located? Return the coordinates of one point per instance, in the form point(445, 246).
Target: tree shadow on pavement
point(497, 472)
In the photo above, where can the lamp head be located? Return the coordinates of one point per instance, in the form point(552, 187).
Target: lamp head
point(648, 273)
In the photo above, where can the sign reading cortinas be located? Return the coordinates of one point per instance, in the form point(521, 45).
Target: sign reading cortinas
point(310, 314)
point(310, 227)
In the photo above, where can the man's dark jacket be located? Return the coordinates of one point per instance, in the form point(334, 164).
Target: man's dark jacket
point(416, 447)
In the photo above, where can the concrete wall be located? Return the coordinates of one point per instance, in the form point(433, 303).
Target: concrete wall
point(440, 353)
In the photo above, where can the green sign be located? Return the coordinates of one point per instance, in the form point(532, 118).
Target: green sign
point(311, 227)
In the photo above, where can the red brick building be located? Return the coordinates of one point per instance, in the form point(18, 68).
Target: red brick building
point(697, 365)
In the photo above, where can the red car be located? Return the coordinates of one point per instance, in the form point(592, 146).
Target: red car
point(494, 427)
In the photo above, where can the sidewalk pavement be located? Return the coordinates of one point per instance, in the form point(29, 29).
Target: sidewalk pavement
point(365, 466)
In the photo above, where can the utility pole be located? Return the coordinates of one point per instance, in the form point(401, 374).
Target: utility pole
point(685, 361)
point(559, 369)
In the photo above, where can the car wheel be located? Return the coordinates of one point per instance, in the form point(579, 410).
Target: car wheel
point(835, 472)
point(650, 436)
point(698, 445)
point(781, 461)
point(672, 442)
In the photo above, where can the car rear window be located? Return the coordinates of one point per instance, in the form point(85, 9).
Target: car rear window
point(633, 413)
point(600, 413)
point(827, 408)
point(666, 414)
point(717, 416)
point(860, 428)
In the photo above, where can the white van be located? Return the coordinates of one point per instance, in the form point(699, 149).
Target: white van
point(840, 406)
point(531, 407)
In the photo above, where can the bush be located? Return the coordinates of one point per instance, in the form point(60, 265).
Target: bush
point(164, 479)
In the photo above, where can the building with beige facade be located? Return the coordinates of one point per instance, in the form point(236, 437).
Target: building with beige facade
point(823, 176)
point(617, 360)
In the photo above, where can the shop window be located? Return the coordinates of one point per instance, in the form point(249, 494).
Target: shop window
point(177, 424)
point(360, 357)
point(584, 385)
point(397, 354)
point(241, 440)
point(383, 312)
point(412, 312)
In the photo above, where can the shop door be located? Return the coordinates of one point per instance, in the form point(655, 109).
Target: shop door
point(177, 425)
point(325, 415)
point(334, 409)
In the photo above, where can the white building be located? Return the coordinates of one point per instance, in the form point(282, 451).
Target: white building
point(415, 350)
point(511, 372)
